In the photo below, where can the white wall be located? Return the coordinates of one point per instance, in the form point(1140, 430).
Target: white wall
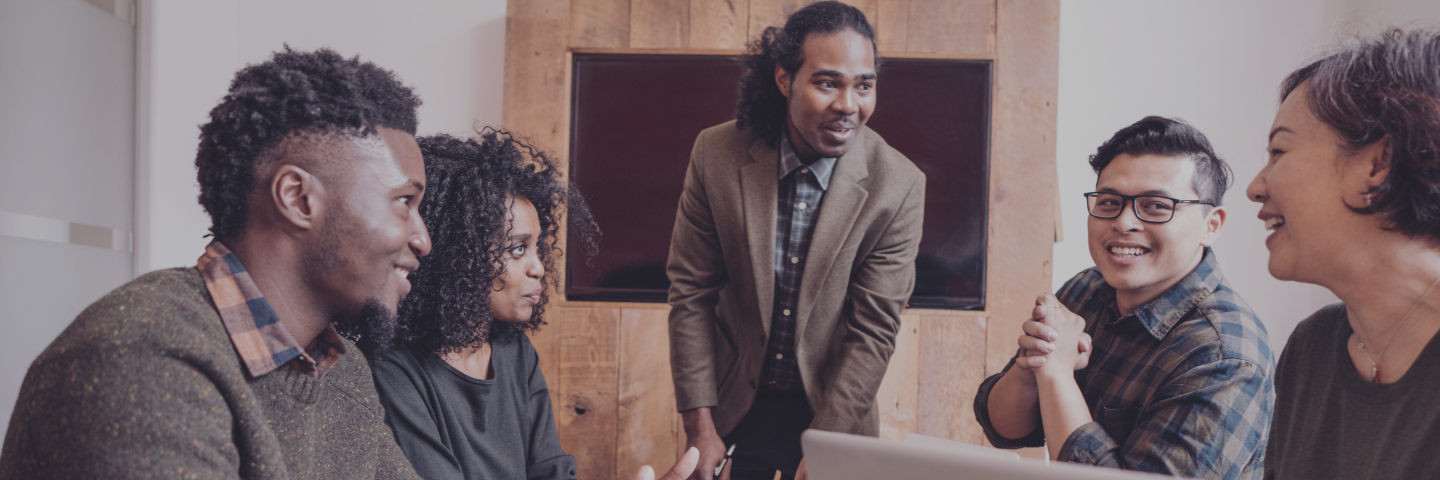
point(1218, 65)
point(451, 51)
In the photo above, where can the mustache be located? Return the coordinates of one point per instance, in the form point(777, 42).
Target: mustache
point(842, 122)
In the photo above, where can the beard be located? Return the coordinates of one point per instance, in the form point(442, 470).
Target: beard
point(373, 329)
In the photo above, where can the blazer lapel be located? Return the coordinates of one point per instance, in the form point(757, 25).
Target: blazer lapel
point(758, 188)
point(838, 212)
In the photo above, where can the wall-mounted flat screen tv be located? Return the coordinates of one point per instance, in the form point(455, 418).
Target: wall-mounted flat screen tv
point(634, 118)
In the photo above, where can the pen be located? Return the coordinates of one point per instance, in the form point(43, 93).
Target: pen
point(725, 460)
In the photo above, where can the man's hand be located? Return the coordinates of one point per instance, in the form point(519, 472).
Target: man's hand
point(680, 471)
point(1055, 340)
point(700, 436)
point(800, 473)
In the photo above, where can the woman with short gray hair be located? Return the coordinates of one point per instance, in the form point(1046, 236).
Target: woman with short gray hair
point(1352, 193)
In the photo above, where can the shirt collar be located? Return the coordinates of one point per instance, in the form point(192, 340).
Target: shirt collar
point(789, 161)
point(259, 336)
point(1161, 315)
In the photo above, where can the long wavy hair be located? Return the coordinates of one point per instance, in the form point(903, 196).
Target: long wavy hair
point(468, 186)
point(762, 106)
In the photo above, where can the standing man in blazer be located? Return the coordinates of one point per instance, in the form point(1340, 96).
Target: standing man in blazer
point(793, 252)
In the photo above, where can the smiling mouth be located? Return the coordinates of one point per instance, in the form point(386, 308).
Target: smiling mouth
point(1274, 222)
point(1128, 252)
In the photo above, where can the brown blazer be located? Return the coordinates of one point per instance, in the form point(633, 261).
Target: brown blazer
point(858, 276)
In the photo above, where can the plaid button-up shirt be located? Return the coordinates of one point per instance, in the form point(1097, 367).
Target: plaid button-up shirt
point(261, 340)
point(1181, 386)
point(801, 188)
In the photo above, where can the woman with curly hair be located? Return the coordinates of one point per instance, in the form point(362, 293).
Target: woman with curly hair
point(462, 388)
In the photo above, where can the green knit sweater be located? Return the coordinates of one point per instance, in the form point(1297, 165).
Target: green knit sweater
point(146, 383)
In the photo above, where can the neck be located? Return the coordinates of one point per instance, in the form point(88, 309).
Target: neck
point(1127, 301)
point(274, 266)
point(802, 148)
point(1380, 284)
point(472, 361)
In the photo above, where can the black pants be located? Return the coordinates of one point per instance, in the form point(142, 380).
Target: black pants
point(768, 438)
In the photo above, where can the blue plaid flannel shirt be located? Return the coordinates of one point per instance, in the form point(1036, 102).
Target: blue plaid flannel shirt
point(801, 188)
point(1181, 386)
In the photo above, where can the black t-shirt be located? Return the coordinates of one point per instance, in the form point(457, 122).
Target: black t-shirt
point(454, 426)
point(1332, 423)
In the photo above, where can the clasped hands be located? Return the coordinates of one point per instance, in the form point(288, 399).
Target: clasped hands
point(1054, 340)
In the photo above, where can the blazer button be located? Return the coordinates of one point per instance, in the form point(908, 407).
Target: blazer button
point(752, 383)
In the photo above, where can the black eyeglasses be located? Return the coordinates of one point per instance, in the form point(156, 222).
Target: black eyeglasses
point(1147, 208)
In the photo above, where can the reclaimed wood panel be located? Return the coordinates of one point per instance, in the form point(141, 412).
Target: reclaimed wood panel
point(659, 23)
point(599, 23)
point(646, 417)
point(719, 24)
point(898, 395)
point(961, 27)
point(891, 23)
point(589, 372)
point(952, 365)
point(773, 13)
point(537, 73)
point(547, 346)
point(1022, 169)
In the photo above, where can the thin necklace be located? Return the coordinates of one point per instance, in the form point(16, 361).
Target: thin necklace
point(1375, 368)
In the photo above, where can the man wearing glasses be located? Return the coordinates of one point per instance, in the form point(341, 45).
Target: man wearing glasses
point(1161, 367)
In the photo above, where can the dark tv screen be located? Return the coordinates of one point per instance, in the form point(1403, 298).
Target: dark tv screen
point(635, 118)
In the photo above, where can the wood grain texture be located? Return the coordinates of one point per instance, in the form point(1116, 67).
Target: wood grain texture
point(773, 13)
point(586, 417)
point(719, 24)
point(659, 23)
point(647, 417)
point(1022, 169)
point(891, 23)
point(898, 394)
point(547, 346)
point(537, 73)
point(960, 27)
point(952, 366)
point(599, 23)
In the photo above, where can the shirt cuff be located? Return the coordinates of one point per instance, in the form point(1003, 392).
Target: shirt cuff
point(1089, 444)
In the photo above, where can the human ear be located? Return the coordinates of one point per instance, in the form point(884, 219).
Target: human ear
point(782, 80)
point(1214, 222)
point(297, 196)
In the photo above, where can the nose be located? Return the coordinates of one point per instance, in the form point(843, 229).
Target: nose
point(1256, 191)
point(533, 267)
point(847, 103)
point(1129, 220)
point(420, 240)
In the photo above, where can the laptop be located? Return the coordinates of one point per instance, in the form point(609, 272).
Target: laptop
point(926, 440)
point(839, 456)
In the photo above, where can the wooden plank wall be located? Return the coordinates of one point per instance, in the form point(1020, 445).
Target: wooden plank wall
point(608, 363)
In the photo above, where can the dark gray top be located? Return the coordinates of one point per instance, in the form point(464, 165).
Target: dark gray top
point(454, 426)
point(1331, 423)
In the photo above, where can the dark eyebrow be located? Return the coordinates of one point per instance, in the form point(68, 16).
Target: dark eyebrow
point(836, 73)
point(418, 186)
point(520, 236)
point(1278, 130)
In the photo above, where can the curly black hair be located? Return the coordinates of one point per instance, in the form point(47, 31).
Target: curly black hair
point(762, 106)
point(294, 92)
point(468, 185)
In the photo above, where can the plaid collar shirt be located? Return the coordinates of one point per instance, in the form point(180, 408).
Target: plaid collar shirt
point(1180, 386)
point(260, 338)
point(801, 189)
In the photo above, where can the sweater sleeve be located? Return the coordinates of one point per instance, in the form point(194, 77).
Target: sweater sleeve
point(399, 381)
point(544, 457)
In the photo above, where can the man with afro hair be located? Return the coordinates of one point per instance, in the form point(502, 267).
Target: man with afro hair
point(245, 365)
